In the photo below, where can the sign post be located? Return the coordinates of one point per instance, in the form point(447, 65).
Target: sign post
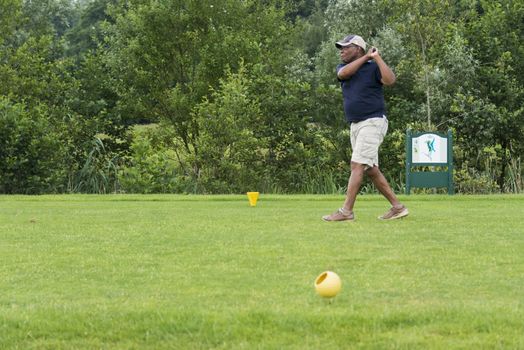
point(424, 149)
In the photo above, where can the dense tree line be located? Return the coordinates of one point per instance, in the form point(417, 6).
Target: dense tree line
point(225, 96)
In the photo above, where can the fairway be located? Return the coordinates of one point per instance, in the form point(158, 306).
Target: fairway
point(210, 272)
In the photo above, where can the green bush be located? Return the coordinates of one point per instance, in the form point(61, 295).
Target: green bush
point(152, 166)
point(229, 151)
point(471, 181)
point(31, 151)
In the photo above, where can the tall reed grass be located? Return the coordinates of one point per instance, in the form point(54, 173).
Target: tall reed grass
point(515, 182)
point(99, 173)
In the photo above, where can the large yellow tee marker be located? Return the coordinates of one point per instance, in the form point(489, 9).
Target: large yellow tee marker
point(328, 284)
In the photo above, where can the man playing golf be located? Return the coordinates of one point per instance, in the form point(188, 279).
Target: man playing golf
point(362, 76)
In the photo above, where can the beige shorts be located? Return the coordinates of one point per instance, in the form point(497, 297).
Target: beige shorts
point(366, 137)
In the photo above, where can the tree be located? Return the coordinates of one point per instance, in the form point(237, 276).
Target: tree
point(37, 80)
point(10, 11)
point(229, 150)
point(86, 34)
point(497, 40)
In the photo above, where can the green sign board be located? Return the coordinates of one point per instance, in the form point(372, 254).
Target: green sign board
point(429, 149)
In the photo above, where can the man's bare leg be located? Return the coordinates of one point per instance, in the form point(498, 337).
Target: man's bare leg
point(355, 180)
point(382, 185)
point(354, 183)
point(397, 209)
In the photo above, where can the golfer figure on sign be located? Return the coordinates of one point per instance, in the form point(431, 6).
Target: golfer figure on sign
point(362, 76)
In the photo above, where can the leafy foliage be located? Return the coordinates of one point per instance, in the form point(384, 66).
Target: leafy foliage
point(30, 151)
point(244, 92)
point(154, 165)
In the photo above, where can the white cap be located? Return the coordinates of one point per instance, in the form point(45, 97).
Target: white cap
point(351, 40)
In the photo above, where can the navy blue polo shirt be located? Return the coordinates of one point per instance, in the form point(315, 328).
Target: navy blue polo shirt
point(363, 93)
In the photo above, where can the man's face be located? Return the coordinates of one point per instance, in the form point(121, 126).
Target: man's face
point(349, 53)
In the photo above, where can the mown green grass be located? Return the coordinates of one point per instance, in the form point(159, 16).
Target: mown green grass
point(201, 272)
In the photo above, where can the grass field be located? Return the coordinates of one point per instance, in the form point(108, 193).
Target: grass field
point(210, 272)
